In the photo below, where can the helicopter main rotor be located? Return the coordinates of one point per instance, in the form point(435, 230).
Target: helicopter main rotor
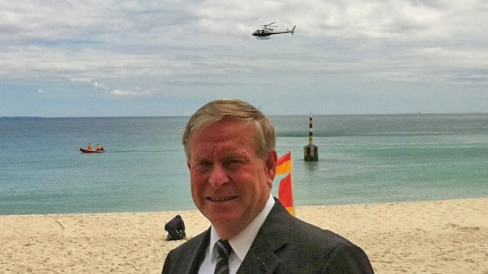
point(267, 25)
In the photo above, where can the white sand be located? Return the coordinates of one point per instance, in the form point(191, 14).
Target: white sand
point(419, 237)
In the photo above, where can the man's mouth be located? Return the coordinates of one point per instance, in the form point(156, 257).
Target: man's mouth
point(221, 199)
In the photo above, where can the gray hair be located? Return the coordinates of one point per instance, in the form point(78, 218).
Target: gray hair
point(218, 110)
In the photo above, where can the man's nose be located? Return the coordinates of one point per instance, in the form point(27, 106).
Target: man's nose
point(218, 176)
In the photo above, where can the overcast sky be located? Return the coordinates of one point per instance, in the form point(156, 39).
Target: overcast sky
point(152, 58)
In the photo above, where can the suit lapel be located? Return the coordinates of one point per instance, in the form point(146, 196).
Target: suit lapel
point(272, 236)
point(199, 248)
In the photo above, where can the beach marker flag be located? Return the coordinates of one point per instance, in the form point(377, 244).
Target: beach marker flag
point(284, 164)
point(285, 190)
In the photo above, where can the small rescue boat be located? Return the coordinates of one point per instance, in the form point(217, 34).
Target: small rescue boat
point(86, 150)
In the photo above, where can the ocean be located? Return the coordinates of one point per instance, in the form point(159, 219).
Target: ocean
point(362, 159)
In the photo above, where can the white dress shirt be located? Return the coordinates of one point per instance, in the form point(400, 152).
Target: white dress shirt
point(240, 244)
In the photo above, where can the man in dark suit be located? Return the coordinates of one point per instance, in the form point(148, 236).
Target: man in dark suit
point(230, 149)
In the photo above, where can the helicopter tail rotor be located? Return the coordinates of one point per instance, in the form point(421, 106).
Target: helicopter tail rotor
point(292, 31)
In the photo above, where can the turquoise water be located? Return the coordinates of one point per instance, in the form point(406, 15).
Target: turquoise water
point(362, 159)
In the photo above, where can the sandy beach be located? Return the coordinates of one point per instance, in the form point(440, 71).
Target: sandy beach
point(449, 236)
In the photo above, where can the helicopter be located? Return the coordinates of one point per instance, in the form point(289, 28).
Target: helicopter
point(267, 30)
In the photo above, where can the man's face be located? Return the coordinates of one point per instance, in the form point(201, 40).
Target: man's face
point(230, 184)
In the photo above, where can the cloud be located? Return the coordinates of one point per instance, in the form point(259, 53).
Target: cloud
point(130, 93)
point(97, 86)
point(393, 20)
point(199, 49)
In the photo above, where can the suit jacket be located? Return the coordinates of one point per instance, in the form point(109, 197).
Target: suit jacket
point(284, 244)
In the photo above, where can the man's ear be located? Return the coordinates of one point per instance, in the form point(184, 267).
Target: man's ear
point(271, 161)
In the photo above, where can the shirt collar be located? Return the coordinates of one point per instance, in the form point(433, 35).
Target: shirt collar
point(242, 242)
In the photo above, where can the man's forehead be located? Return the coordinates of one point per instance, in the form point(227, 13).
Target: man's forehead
point(213, 130)
point(220, 149)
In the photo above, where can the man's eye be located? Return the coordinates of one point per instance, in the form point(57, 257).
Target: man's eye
point(203, 165)
point(234, 163)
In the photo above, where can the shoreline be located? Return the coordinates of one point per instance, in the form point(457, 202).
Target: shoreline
point(274, 195)
point(442, 236)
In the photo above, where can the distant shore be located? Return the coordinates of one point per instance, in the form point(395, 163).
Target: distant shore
point(447, 236)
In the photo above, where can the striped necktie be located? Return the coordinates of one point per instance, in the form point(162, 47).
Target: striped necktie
point(223, 249)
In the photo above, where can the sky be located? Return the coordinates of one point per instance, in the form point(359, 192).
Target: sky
point(85, 58)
